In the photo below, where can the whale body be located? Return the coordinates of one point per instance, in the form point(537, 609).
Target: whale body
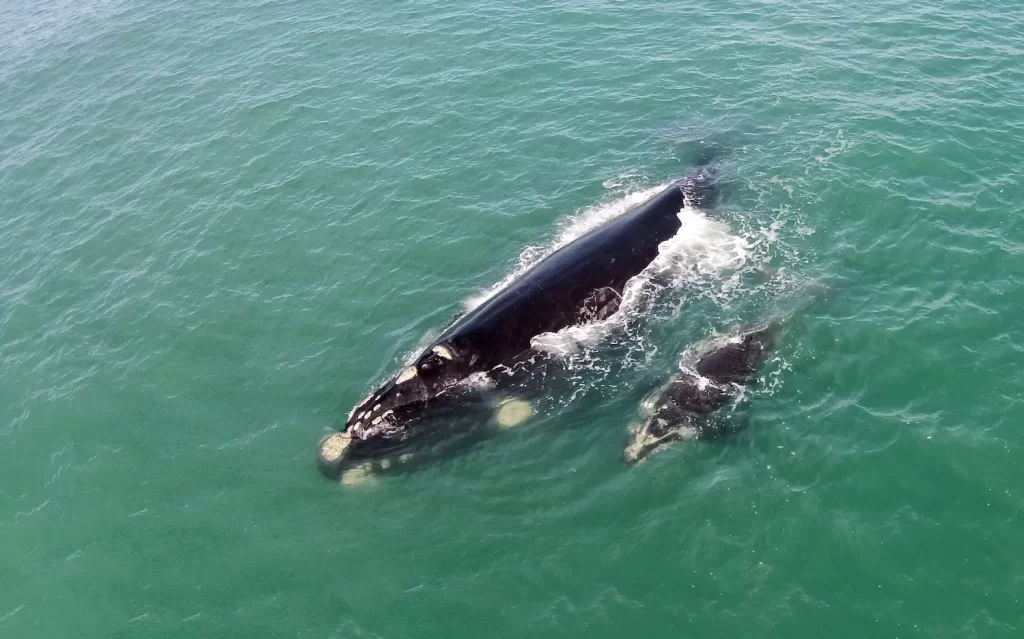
point(683, 409)
point(579, 283)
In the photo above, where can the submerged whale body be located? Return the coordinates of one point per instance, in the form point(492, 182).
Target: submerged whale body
point(580, 283)
point(682, 410)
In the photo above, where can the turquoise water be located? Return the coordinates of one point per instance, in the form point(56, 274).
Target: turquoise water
point(221, 223)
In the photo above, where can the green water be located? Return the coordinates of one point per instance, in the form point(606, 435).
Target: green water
point(221, 223)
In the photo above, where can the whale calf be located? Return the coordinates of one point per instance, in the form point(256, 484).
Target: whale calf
point(579, 283)
point(683, 409)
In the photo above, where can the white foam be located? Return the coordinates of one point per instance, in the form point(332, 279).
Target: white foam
point(574, 227)
point(478, 381)
point(700, 253)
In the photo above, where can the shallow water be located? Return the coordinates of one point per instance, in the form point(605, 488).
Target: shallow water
point(221, 223)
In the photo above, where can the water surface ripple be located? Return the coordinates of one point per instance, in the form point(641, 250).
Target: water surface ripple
point(221, 222)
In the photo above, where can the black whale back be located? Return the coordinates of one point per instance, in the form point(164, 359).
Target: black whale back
point(550, 296)
point(724, 369)
point(735, 363)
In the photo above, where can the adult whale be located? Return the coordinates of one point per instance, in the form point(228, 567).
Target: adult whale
point(579, 283)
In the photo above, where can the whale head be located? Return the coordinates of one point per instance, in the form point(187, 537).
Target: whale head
point(664, 423)
point(679, 411)
point(429, 377)
point(380, 420)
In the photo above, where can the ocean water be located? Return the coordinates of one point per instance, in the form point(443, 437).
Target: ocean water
point(222, 223)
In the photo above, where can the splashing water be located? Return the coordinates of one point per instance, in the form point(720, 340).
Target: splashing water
point(698, 254)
